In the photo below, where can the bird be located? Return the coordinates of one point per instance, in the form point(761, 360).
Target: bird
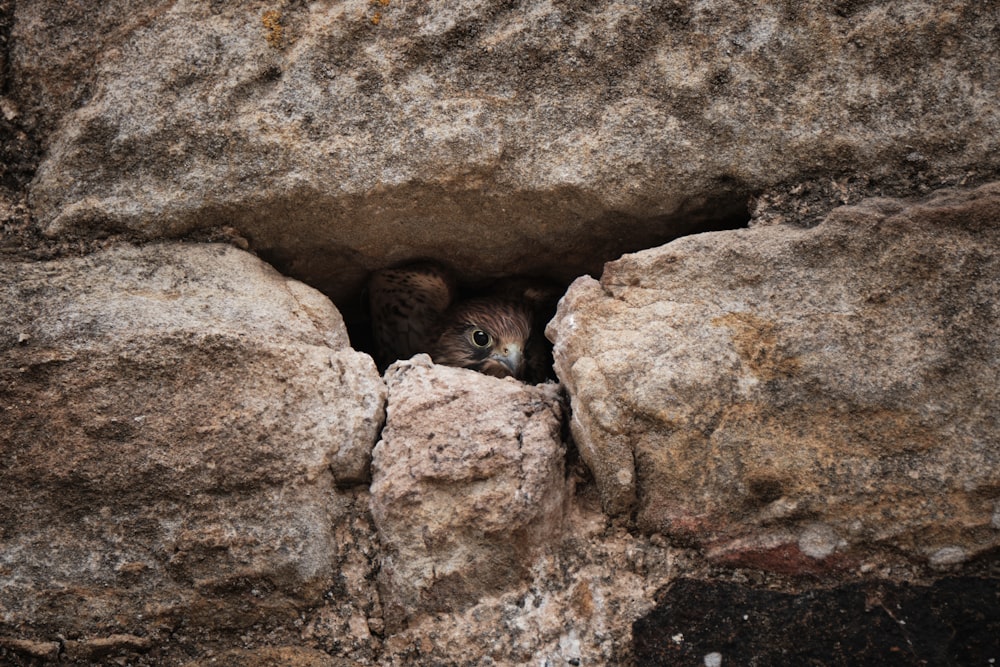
point(488, 335)
point(416, 308)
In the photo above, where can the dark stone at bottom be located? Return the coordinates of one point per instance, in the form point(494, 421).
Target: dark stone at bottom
point(955, 621)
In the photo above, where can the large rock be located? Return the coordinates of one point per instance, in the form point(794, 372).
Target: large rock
point(491, 552)
point(467, 486)
point(576, 606)
point(176, 421)
point(544, 137)
point(793, 397)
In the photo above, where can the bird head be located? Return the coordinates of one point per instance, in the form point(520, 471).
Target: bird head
point(486, 335)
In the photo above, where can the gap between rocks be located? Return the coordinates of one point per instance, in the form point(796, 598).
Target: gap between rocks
point(340, 272)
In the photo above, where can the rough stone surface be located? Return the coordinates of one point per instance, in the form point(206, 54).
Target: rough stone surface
point(576, 607)
point(467, 486)
point(537, 137)
point(285, 656)
point(175, 421)
point(492, 553)
point(798, 398)
point(185, 437)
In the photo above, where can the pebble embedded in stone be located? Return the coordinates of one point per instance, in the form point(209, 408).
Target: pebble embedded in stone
point(948, 556)
point(819, 541)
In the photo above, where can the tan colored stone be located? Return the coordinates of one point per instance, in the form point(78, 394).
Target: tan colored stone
point(543, 138)
point(175, 422)
point(576, 606)
point(31, 649)
point(799, 392)
point(92, 650)
point(467, 486)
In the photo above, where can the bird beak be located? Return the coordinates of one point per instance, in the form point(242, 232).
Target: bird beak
point(511, 357)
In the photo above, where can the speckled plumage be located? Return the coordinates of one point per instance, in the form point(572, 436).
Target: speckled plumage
point(406, 305)
point(413, 310)
point(488, 335)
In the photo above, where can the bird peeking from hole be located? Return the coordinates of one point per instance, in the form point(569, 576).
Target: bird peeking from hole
point(414, 308)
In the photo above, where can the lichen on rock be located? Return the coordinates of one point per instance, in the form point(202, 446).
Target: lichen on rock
point(740, 386)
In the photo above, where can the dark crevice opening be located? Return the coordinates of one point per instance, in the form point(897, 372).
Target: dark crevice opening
point(724, 213)
point(19, 150)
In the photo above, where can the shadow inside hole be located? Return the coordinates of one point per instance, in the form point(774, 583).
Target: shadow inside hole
point(539, 297)
point(730, 213)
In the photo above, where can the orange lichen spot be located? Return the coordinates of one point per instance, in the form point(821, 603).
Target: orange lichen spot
point(761, 344)
point(376, 18)
point(274, 31)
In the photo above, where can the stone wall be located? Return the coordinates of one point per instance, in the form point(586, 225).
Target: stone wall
point(506, 138)
point(778, 377)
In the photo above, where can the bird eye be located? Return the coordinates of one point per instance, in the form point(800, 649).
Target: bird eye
point(480, 338)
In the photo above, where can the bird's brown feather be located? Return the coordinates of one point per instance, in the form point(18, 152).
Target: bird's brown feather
point(506, 322)
point(406, 307)
point(412, 311)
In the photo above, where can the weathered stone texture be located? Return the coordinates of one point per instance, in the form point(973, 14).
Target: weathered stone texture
point(175, 421)
point(286, 656)
point(785, 397)
point(540, 137)
point(576, 607)
point(185, 434)
point(467, 486)
point(490, 550)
